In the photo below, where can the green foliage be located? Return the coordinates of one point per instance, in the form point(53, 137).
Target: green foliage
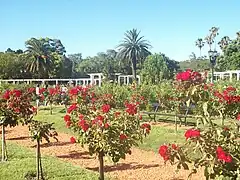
point(41, 130)
point(154, 68)
point(133, 48)
point(231, 55)
point(12, 66)
point(217, 150)
point(158, 67)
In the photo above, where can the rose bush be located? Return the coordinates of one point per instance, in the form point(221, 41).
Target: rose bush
point(105, 130)
point(215, 148)
point(15, 108)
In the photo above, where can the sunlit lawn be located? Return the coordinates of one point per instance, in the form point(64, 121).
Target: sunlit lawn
point(22, 161)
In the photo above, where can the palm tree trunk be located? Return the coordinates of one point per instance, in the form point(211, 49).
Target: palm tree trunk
point(134, 68)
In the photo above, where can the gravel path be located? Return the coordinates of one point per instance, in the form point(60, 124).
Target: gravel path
point(141, 165)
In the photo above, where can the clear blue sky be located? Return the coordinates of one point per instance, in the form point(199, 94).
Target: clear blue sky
point(92, 26)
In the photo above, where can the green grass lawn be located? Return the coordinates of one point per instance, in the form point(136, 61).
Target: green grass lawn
point(22, 160)
point(159, 135)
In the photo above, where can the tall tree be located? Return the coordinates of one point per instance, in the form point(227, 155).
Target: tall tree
point(39, 55)
point(133, 48)
point(154, 68)
point(45, 56)
point(75, 61)
point(200, 43)
point(224, 42)
point(230, 59)
point(210, 39)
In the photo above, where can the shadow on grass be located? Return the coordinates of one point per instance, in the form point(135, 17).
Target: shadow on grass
point(125, 166)
point(76, 155)
point(19, 138)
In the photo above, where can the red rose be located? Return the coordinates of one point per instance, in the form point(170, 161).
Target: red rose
point(174, 146)
point(73, 91)
point(72, 140)
point(84, 125)
point(6, 95)
point(72, 108)
point(17, 93)
point(238, 117)
point(81, 116)
point(68, 124)
point(164, 152)
point(186, 76)
point(106, 125)
point(131, 108)
point(41, 90)
point(67, 118)
point(52, 91)
point(222, 155)
point(106, 108)
point(192, 133)
point(122, 137)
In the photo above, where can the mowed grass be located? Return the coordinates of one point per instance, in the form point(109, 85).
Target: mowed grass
point(159, 135)
point(22, 160)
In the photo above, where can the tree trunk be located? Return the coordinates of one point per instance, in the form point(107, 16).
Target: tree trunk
point(4, 151)
point(40, 163)
point(38, 159)
point(134, 68)
point(101, 166)
point(51, 112)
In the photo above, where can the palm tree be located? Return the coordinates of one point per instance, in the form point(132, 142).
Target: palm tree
point(200, 43)
point(40, 56)
point(133, 48)
point(210, 39)
point(224, 42)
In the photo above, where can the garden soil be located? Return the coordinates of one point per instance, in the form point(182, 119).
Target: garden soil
point(140, 165)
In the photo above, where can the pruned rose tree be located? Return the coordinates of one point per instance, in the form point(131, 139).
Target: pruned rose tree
point(15, 108)
point(105, 130)
point(38, 132)
point(215, 147)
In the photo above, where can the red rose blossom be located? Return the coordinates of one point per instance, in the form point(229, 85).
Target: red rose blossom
point(122, 137)
point(72, 140)
point(164, 152)
point(67, 118)
point(131, 108)
point(192, 133)
point(72, 108)
point(106, 108)
point(238, 117)
point(106, 125)
point(222, 155)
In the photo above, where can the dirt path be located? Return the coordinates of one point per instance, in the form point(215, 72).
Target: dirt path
point(141, 165)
